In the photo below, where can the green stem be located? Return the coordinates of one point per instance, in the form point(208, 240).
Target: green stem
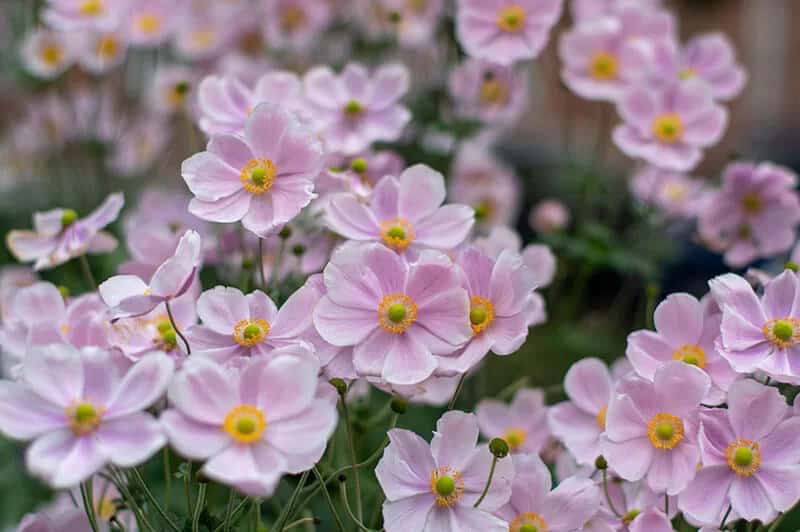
point(261, 264)
point(198, 507)
point(608, 497)
point(299, 522)
point(453, 399)
point(488, 483)
point(87, 272)
point(274, 275)
point(725, 517)
point(234, 515)
point(353, 460)
point(226, 524)
point(334, 513)
point(257, 516)
point(356, 520)
point(122, 485)
point(666, 504)
point(286, 514)
point(509, 391)
point(187, 485)
point(176, 328)
point(167, 479)
point(153, 500)
point(88, 504)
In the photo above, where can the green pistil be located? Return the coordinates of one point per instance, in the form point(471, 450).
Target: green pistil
point(445, 486)
point(68, 217)
point(782, 330)
point(397, 313)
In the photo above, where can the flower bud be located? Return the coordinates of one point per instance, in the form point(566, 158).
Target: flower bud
point(340, 385)
point(791, 265)
point(499, 447)
point(285, 233)
point(399, 405)
point(549, 216)
point(600, 463)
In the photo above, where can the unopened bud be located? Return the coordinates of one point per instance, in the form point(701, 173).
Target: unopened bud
point(600, 463)
point(340, 385)
point(399, 405)
point(499, 447)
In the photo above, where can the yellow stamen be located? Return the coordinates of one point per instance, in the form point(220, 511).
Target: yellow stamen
point(601, 417)
point(292, 18)
point(83, 417)
point(665, 430)
point(687, 73)
point(604, 66)
point(149, 23)
point(397, 233)
point(251, 332)
point(751, 203)
point(511, 18)
point(782, 332)
point(668, 128)
point(107, 46)
point(389, 315)
point(245, 423)
point(258, 176)
point(51, 54)
point(447, 486)
point(743, 457)
point(92, 8)
point(494, 92)
point(691, 354)
point(515, 437)
point(481, 314)
point(527, 522)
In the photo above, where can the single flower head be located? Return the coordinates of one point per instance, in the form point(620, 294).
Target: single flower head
point(47, 54)
point(522, 424)
point(97, 15)
point(296, 25)
point(487, 91)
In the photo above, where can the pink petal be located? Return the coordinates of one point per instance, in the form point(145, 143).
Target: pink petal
point(191, 439)
point(454, 440)
point(754, 409)
point(203, 391)
point(630, 459)
point(409, 513)
point(142, 386)
point(407, 362)
point(679, 319)
point(293, 385)
point(588, 384)
point(707, 495)
point(25, 415)
point(750, 501)
point(64, 460)
point(225, 210)
point(221, 308)
point(351, 218)
point(130, 440)
point(55, 373)
point(343, 326)
point(422, 191)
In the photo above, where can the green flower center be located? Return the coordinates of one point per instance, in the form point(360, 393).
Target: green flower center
point(743, 456)
point(396, 232)
point(251, 331)
point(477, 315)
point(751, 203)
point(528, 527)
point(85, 413)
point(782, 330)
point(445, 486)
point(353, 108)
point(397, 313)
point(68, 217)
point(246, 426)
point(359, 165)
point(630, 516)
point(665, 431)
point(258, 175)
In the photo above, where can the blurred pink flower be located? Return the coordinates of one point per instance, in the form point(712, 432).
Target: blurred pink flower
point(98, 15)
point(677, 196)
point(522, 424)
point(589, 10)
point(47, 54)
point(549, 216)
point(170, 90)
point(490, 92)
point(295, 24)
point(150, 23)
point(98, 53)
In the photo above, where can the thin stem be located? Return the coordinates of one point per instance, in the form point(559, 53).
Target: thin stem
point(356, 520)
point(176, 328)
point(725, 517)
point(153, 500)
point(119, 480)
point(453, 399)
point(289, 507)
point(353, 460)
point(88, 504)
point(276, 266)
point(226, 524)
point(234, 516)
point(257, 516)
point(87, 272)
point(187, 485)
point(167, 478)
point(198, 507)
point(488, 483)
point(334, 513)
point(261, 264)
point(608, 497)
point(303, 521)
point(509, 391)
point(666, 504)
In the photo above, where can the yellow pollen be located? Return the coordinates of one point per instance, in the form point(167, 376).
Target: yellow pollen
point(743, 457)
point(691, 354)
point(92, 8)
point(83, 417)
point(604, 66)
point(665, 430)
point(146, 291)
point(149, 23)
point(481, 314)
point(292, 18)
point(258, 176)
point(601, 417)
point(751, 203)
point(245, 423)
point(397, 233)
point(447, 486)
point(389, 313)
point(494, 92)
point(527, 522)
point(675, 191)
point(106, 508)
point(51, 54)
point(782, 332)
point(64, 328)
point(203, 38)
point(687, 73)
point(668, 128)
point(417, 6)
point(511, 18)
point(250, 332)
point(515, 438)
point(107, 46)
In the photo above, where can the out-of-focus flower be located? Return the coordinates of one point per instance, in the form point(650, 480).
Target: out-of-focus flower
point(203, 34)
point(128, 296)
point(59, 235)
point(590, 10)
point(249, 433)
point(357, 175)
point(535, 505)
point(47, 54)
point(669, 126)
point(12, 280)
point(677, 196)
point(356, 108)
point(549, 216)
point(522, 424)
point(59, 515)
point(749, 456)
point(295, 24)
point(100, 52)
point(412, 23)
point(685, 332)
point(171, 89)
point(709, 58)
point(151, 22)
point(492, 93)
point(97, 15)
point(754, 214)
point(506, 31)
point(263, 179)
point(651, 427)
point(146, 138)
point(433, 488)
point(399, 317)
point(405, 213)
point(83, 412)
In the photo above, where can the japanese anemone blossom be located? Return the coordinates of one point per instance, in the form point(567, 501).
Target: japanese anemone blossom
point(487, 91)
point(750, 457)
point(59, 235)
point(83, 411)
point(669, 126)
point(522, 424)
point(263, 179)
point(251, 426)
point(98, 15)
point(505, 31)
point(404, 213)
point(432, 488)
point(47, 54)
point(400, 318)
point(651, 427)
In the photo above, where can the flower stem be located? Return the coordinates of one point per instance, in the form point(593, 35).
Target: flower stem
point(226, 524)
point(608, 497)
point(167, 478)
point(234, 516)
point(199, 505)
point(666, 504)
point(153, 500)
point(303, 521)
point(328, 499)
point(261, 264)
point(725, 517)
point(88, 504)
point(488, 483)
point(453, 399)
point(176, 328)
point(289, 507)
point(356, 520)
point(87, 272)
point(353, 460)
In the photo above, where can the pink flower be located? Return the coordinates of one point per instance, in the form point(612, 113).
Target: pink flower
point(59, 515)
point(101, 52)
point(225, 103)
point(295, 24)
point(263, 179)
point(99, 15)
point(549, 216)
point(405, 213)
point(749, 455)
point(651, 520)
point(412, 24)
point(669, 126)
point(59, 235)
point(676, 195)
point(522, 424)
point(12, 280)
point(129, 296)
point(357, 175)
point(235, 325)
point(579, 422)
point(83, 412)
point(205, 33)
point(146, 139)
point(754, 214)
point(588, 10)
point(356, 108)
point(709, 58)
point(493, 93)
point(499, 292)
point(254, 425)
point(151, 22)
point(505, 31)
point(651, 427)
point(685, 332)
point(399, 317)
point(171, 88)
point(432, 488)
point(760, 333)
point(535, 503)
point(47, 54)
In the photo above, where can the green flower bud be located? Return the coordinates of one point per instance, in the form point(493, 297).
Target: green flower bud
point(499, 447)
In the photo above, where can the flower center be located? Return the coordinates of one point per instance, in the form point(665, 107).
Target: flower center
point(83, 417)
point(751, 203)
point(292, 18)
point(245, 423)
point(743, 457)
point(481, 313)
point(484, 210)
point(515, 437)
point(167, 338)
point(91, 7)
point(51, 54)
point(250, 332)
point(149, 23)
point(258, 176)
point(603, 66)
point(106, 508)
point(782, 332)
point(353, 109)
point(601, 417)
point(511, 18)
point(691, 354)
point(68, 217)
point(668, 128)
point(630, 516)
point(494, 92)
point(107, 46)
point(446, 485)
point(528, 522)
point(397, 233)
point(396, 313)
point(665, 430)
point(177, 93)
point(687, 73)
point(359, 165)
